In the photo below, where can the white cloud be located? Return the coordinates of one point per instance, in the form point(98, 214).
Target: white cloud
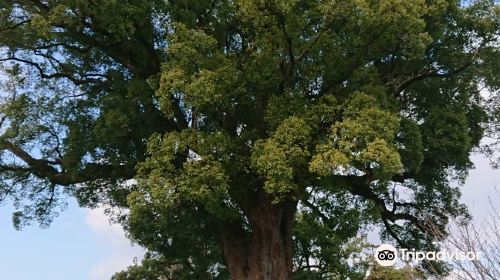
point(121, 252)
point(99, 222)
point(480, 186)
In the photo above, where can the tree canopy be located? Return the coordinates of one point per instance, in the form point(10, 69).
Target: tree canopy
point(250, 138)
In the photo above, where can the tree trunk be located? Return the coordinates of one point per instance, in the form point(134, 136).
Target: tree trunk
point(266, 252)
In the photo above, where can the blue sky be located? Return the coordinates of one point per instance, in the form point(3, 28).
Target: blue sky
point(81, 245)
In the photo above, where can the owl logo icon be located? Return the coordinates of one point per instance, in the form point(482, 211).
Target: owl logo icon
point(386, 255)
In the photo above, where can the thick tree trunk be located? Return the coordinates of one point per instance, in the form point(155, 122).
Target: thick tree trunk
point(266, 253)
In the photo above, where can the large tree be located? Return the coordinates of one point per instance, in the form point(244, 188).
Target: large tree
point(247, 138)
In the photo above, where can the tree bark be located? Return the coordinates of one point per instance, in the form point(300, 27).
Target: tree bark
point(266, 252)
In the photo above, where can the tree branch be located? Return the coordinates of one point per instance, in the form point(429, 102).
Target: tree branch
point(44, 169)
point(44, 75)
point(427, 72)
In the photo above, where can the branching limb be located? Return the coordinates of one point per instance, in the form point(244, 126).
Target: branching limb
point(45, 169)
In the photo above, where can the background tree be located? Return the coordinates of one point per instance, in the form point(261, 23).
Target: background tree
point(389, 273)
point(250, 128)
point(481, 236)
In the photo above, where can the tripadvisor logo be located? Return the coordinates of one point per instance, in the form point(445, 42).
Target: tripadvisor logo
point(387, 255)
